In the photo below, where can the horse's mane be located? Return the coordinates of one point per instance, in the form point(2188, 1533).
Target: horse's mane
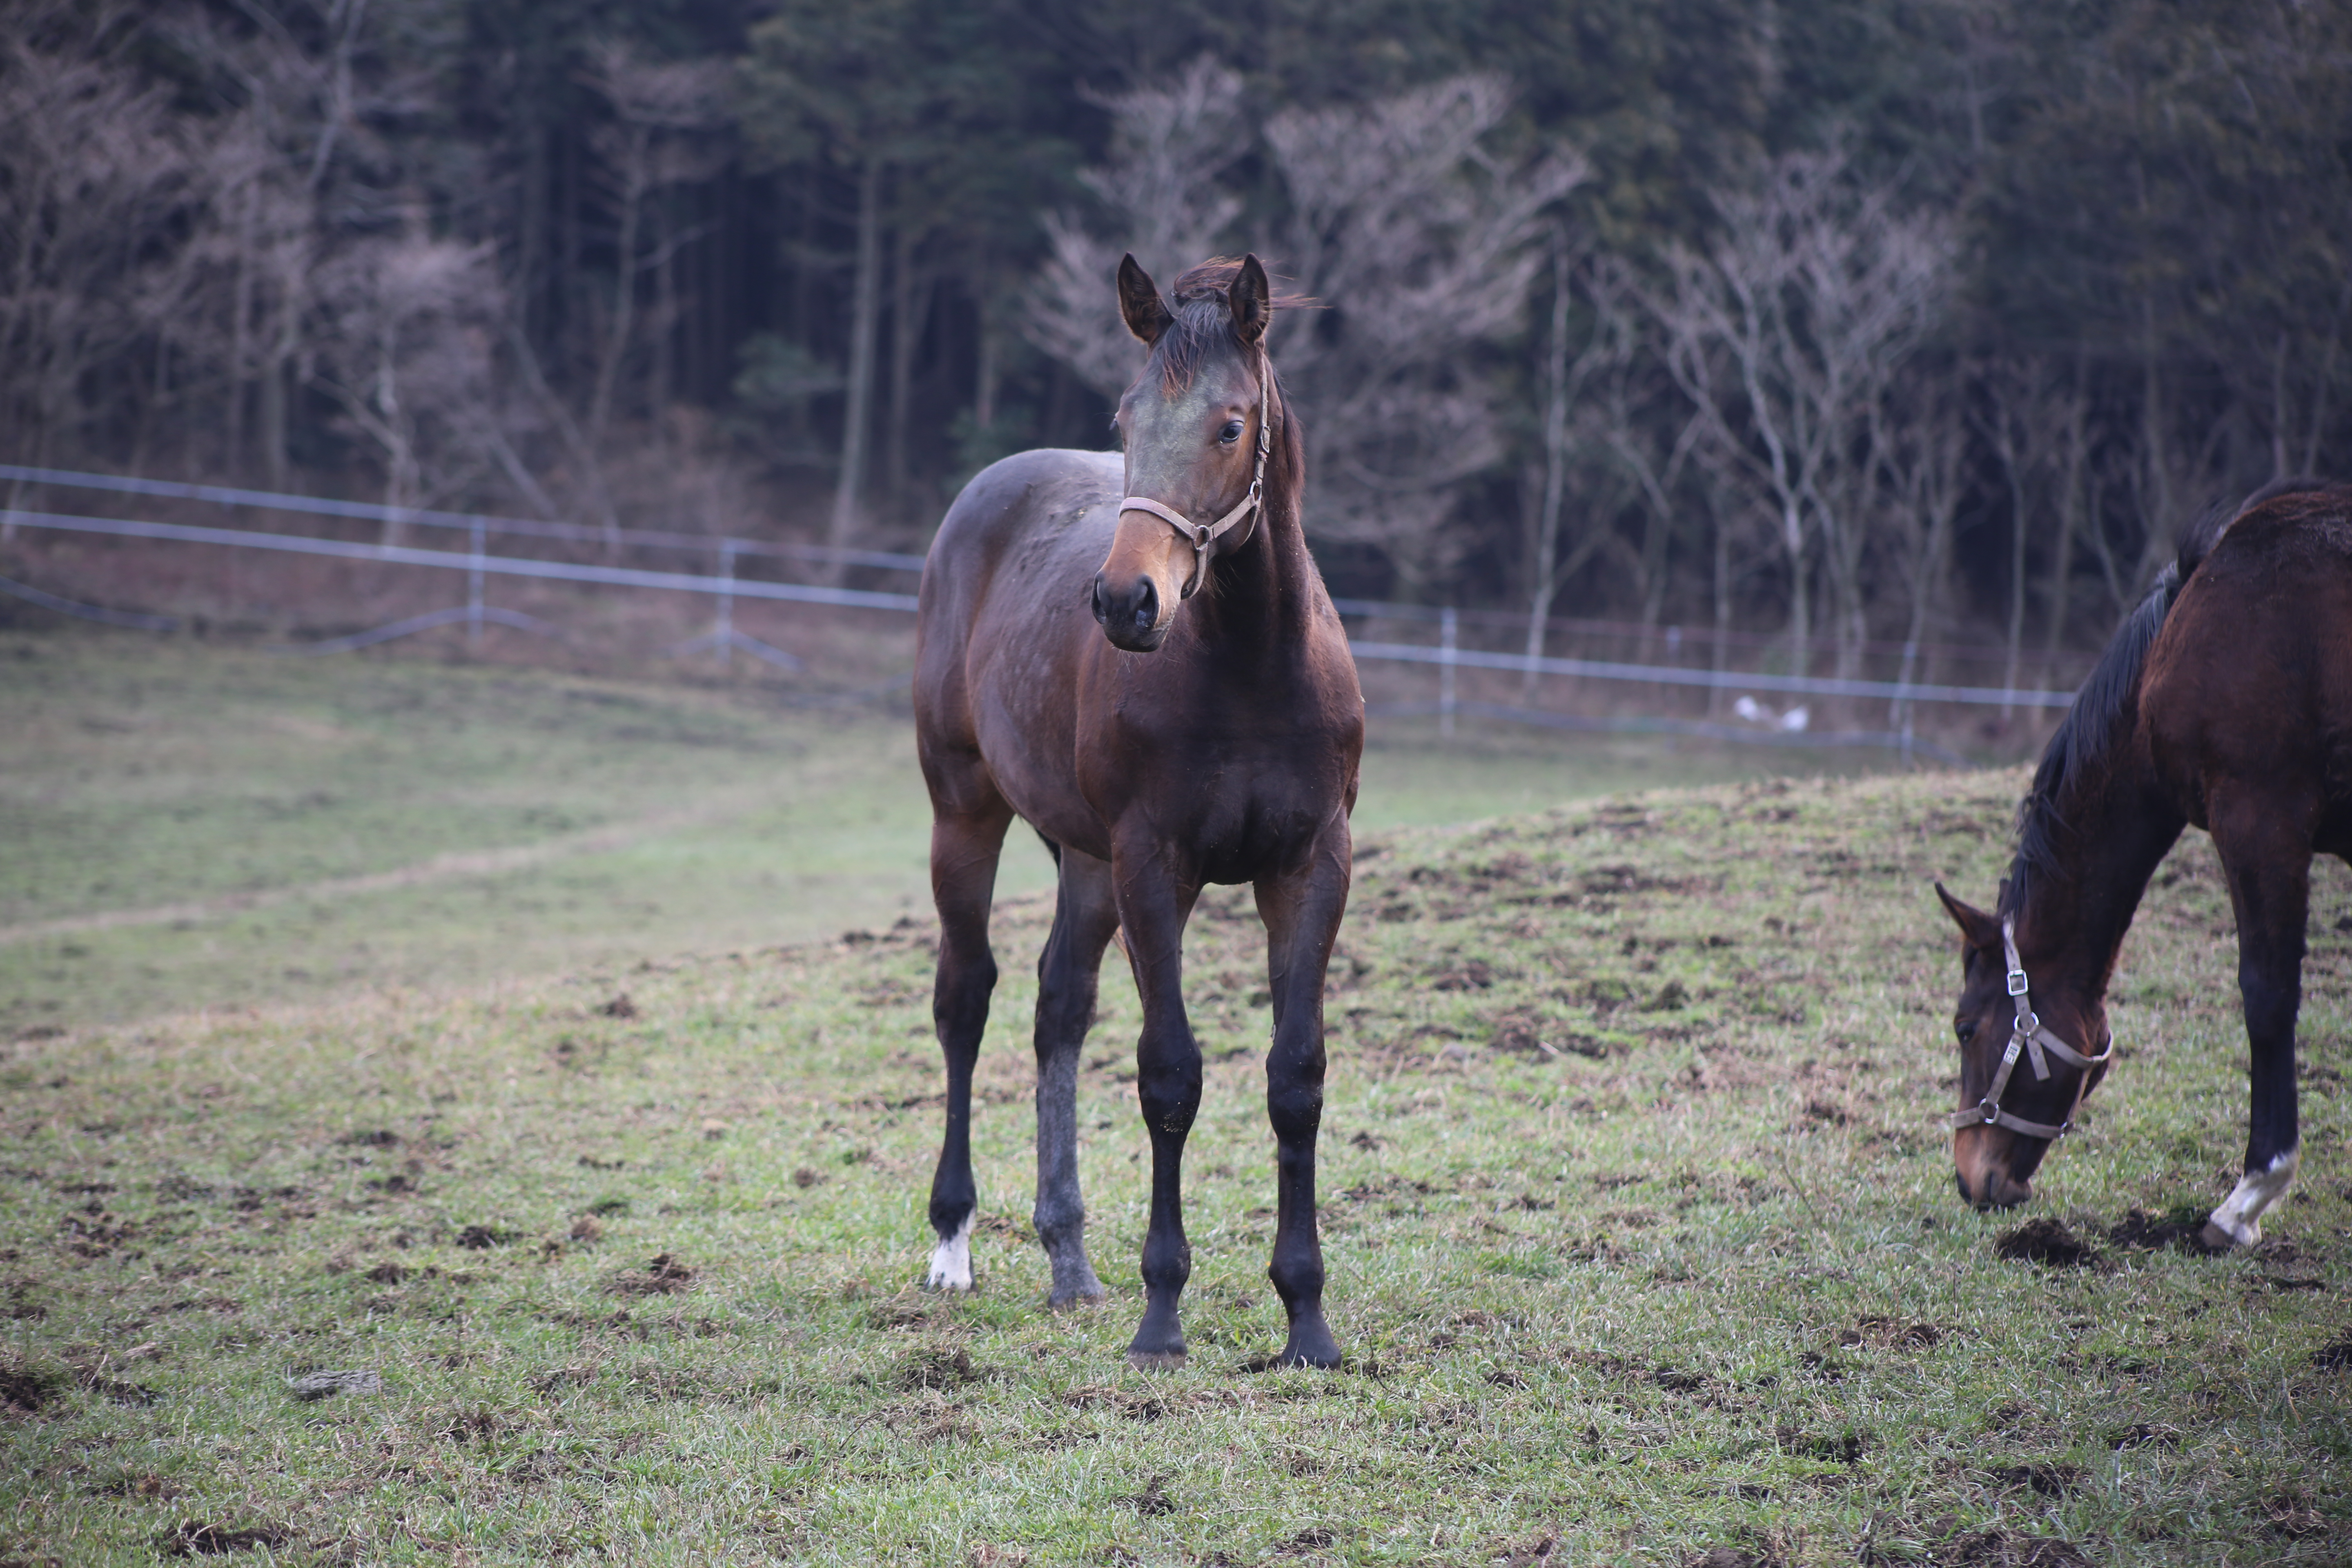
point(2073, 759)
point(1203, 318)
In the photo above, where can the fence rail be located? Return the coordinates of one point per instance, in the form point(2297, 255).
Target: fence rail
point(725, 586)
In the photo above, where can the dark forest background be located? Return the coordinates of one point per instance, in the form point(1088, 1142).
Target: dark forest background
point(1855, 321)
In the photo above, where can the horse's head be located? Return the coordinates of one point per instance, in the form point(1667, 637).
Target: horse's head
point(1194, 429)
point(2010, 1112)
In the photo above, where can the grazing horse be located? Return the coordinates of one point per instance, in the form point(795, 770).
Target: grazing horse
point(1169, 703)
point(2225, 701)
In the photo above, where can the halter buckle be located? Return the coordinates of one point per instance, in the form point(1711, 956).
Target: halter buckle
point(2017, 983)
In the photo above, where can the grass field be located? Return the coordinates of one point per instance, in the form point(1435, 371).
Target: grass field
point(627, 1257)
point(189, 826)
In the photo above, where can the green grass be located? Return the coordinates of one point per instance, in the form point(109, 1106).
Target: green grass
point(189, 826)
point(1696, 1283)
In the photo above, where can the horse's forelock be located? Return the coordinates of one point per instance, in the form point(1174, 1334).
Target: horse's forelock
point(1202, 320)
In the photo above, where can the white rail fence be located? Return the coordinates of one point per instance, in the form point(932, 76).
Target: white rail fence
point(724, 585)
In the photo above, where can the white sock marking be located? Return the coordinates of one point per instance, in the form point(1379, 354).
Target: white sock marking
point(2241, 1214)
point(951, 1259)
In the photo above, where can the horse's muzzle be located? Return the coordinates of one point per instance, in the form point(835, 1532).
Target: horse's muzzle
point(1994, 1172)
point(1129, 618)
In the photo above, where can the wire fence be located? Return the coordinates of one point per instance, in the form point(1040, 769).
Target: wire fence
point(725, 583)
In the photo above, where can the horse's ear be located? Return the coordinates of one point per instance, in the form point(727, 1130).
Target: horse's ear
point(1977, 928)
point(1139, 304)
point(1252, 299)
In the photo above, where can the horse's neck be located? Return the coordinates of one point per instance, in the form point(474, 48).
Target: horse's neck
point(2078, 909)
point(1268, 597)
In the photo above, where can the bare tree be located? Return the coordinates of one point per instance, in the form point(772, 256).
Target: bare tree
point(1422, 239)
point(1784, 336)
point(404, 346)
point(1920, 442)
point(1158, 190)
point(100, 182)
point(1425, 240)
point(659, 110)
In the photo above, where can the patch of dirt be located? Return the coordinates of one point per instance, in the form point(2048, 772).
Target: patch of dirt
point(472, 1426)
point(1153, 1499)
point(2045, 1241)
point(1464, 975)
point(2048, 1477)
point(936, 1366)
point(2291, 1514)
point(28, 1390)
point(482, 1237)
point(1132, 1406)
point(1845, 1448)
point(192, 1537)
point(2001, 1548)
point(2181, 1226)
point(2336, 1355)
point(1893, 1332)
point(326, 1385)
point(1307, 1541)
point(619, 1006)
point(904, 1311)
point(665, 1275)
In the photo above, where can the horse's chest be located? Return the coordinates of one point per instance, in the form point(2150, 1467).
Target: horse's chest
point(1242, 807)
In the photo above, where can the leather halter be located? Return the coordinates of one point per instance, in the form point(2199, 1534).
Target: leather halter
point(1202, 537)
point(2030, 1038)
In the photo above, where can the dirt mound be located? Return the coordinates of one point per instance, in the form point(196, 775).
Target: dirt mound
point(2046, 1241)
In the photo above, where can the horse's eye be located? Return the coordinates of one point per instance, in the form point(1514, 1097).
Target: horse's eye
point(1231, 433)
point(1966, 1028)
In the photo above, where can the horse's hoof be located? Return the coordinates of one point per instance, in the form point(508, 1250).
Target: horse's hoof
point(1063, 1301)
point(1310, 1346)
point(2213, 1238)
point(952, 1260)
point(1155, 1361)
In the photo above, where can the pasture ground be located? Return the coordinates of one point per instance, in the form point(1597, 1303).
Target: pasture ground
point(1641, 1241)
point(186, 824)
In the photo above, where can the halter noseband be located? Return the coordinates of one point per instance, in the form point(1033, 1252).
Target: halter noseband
point(1202, 537)
point(2028, 1036)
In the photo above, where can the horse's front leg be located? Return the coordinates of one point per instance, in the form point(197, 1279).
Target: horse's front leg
point(1155, 898)
point(964, 848)
point(1301, 910)
point(2268, 861)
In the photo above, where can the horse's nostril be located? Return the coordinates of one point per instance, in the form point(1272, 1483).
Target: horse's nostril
point(1147, 607)
point(1102, 610)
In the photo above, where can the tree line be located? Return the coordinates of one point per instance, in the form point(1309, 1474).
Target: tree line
point(1872, 322)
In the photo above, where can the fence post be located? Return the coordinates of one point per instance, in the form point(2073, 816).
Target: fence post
point(1899, 710)
point(474, 592)
point(1449, 626)
point(722, 632)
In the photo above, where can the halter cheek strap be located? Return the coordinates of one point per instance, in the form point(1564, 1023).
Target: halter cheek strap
point(1203, 537)
point(2029, 1038)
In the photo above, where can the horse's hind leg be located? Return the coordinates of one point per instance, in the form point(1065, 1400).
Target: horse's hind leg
point(964, 847)
point(1068, 974)
point(2267, 854)
point(1302, 912)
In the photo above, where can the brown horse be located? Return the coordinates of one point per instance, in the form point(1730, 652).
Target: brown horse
point(2225, 701)
point(1169, 703)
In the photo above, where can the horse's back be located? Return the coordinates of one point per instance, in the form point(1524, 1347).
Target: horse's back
point(1016, 501)
point(1005, 577)
point(2250, 678)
